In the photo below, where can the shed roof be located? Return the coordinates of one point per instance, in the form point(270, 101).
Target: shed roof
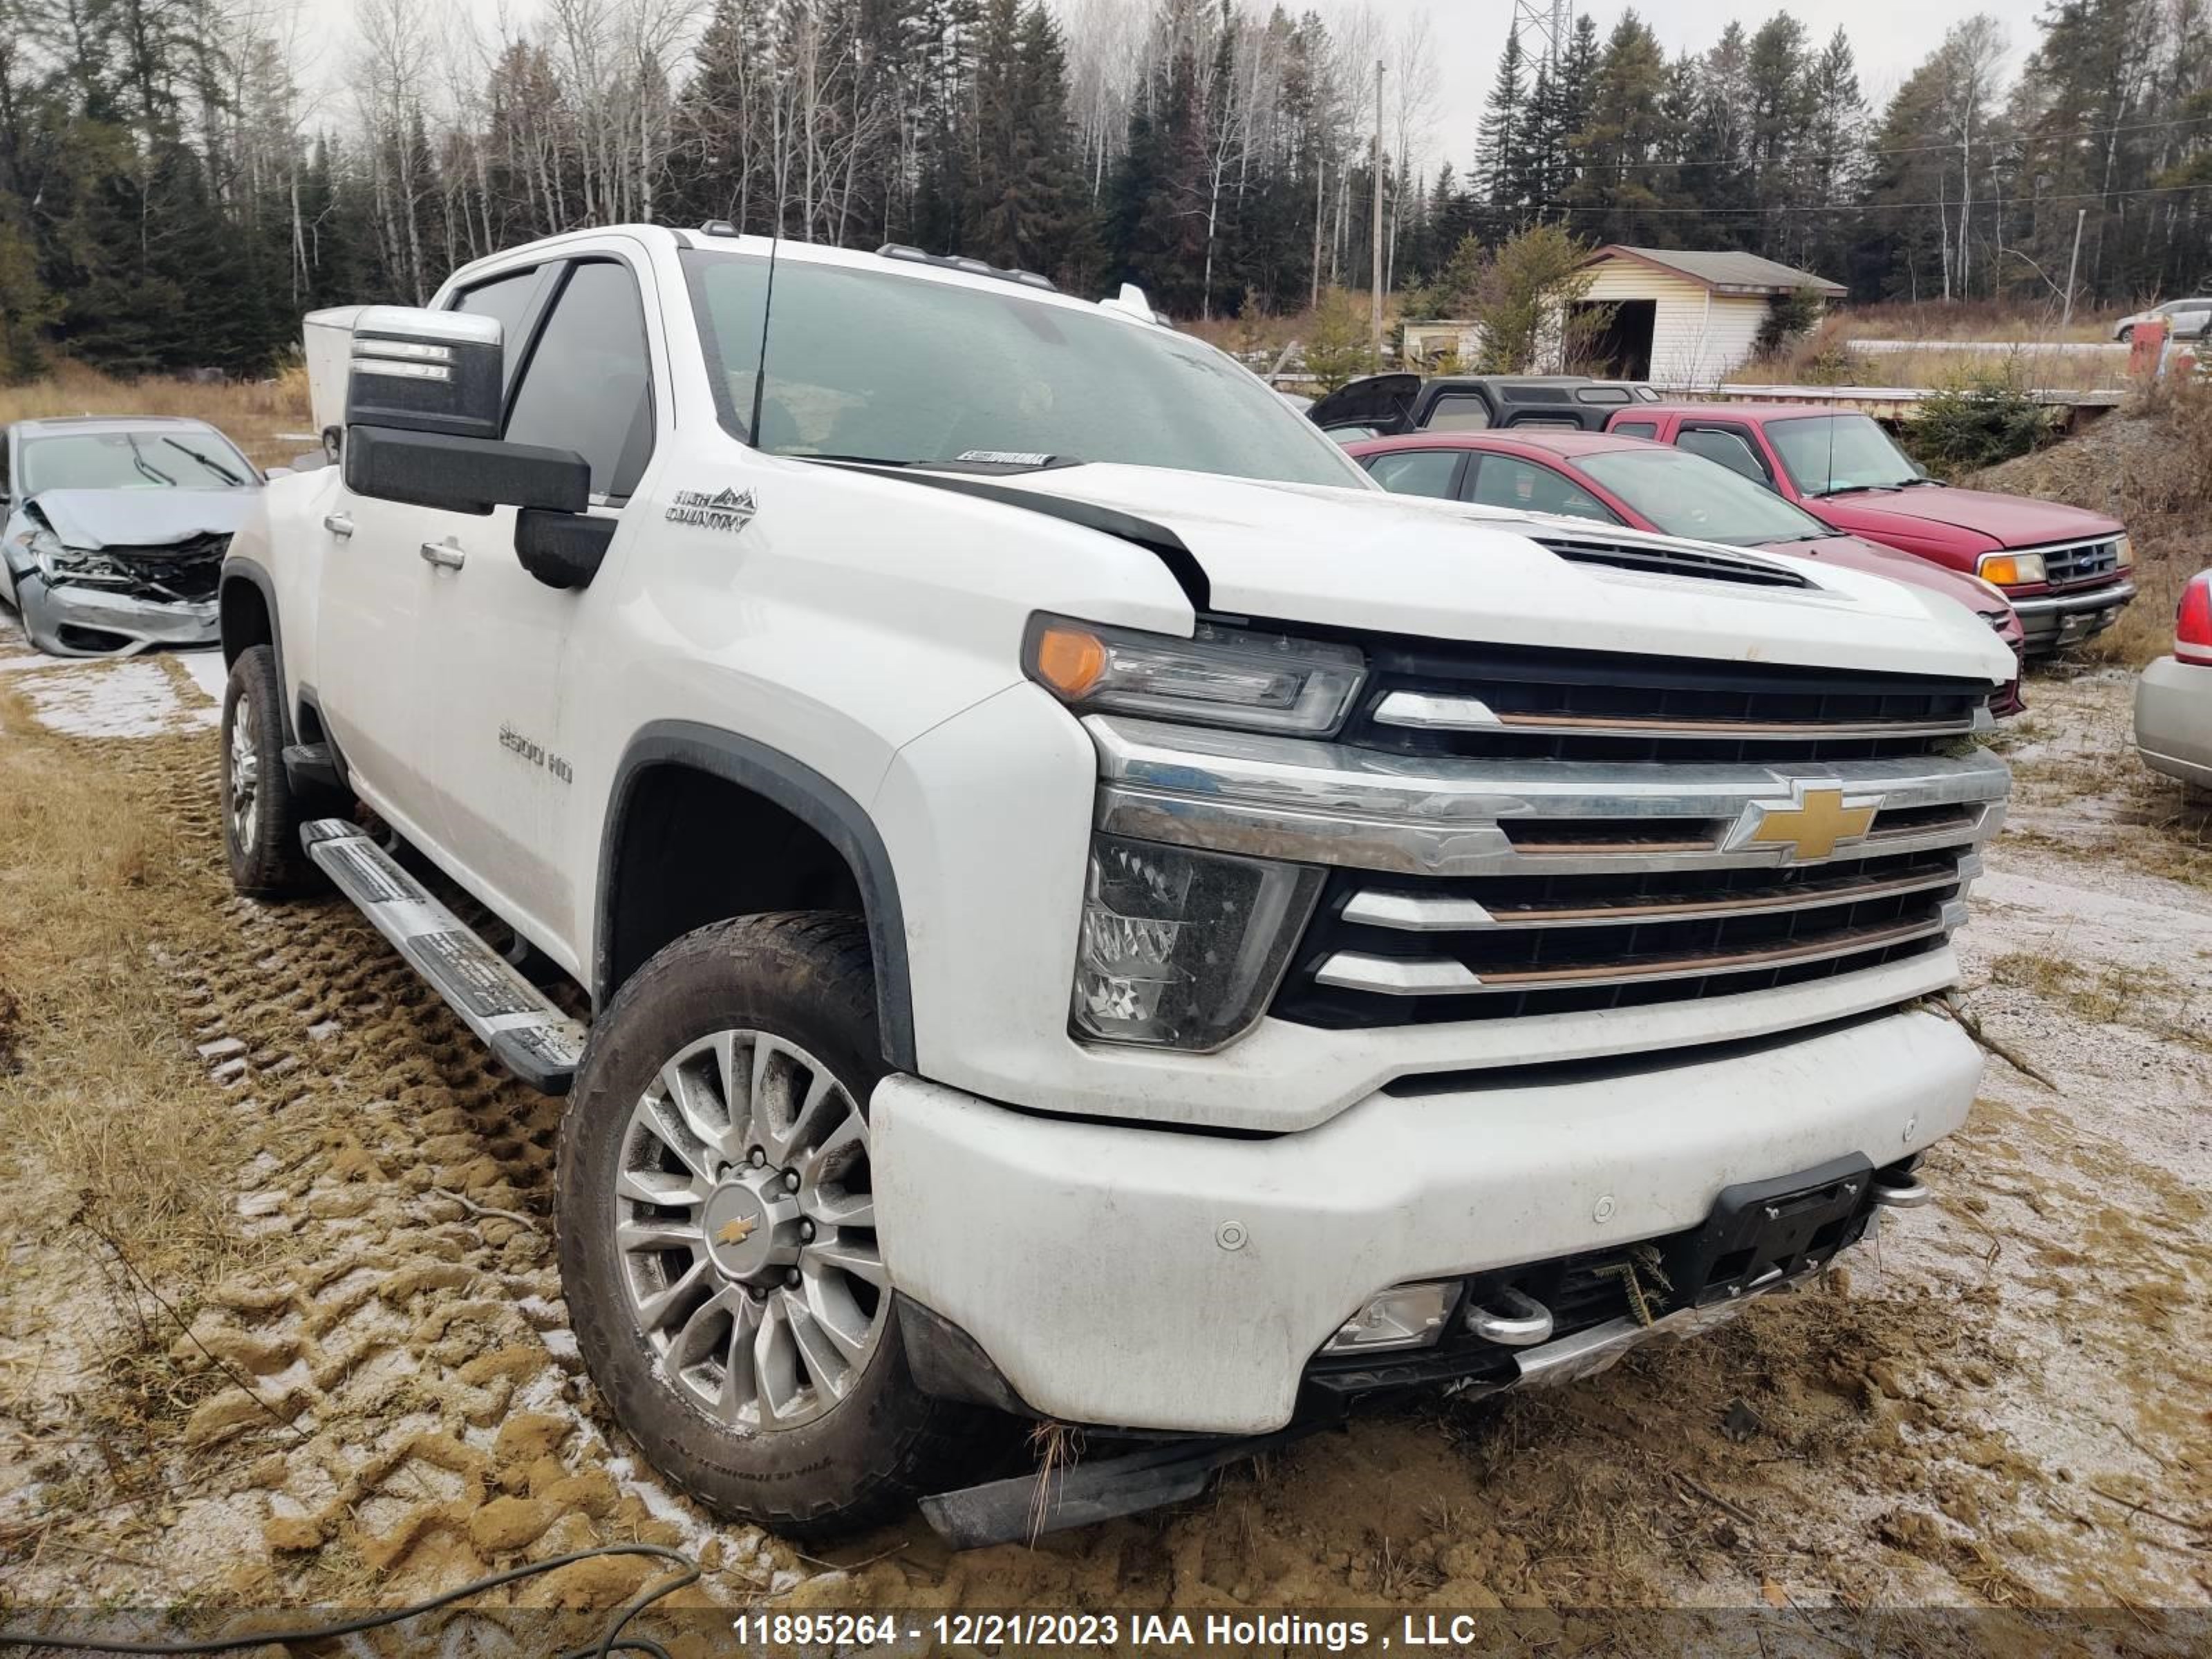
point(1725, 272)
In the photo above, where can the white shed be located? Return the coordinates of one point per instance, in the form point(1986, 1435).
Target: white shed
point(1682, 317)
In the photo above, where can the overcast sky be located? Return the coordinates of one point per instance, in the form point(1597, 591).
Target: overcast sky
point(1890, 37)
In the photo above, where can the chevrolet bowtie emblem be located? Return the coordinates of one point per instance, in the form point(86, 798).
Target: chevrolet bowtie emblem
point(1812, 824)
point(735, 1232)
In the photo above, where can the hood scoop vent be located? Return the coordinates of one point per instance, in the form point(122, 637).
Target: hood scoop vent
point(1658, 560)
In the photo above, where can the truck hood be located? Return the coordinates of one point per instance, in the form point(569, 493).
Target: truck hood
point(1400, 564)
point(2003, 521)
point(97, 519)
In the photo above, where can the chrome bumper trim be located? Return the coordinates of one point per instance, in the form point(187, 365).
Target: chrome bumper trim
point(2095, 598)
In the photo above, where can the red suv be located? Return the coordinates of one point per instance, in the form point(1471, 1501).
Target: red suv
point(2068, 572)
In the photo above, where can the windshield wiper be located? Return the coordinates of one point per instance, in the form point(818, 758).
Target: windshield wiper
point(1846, 489)
point(207, 461)
point(1932, 483)
point(138, 459)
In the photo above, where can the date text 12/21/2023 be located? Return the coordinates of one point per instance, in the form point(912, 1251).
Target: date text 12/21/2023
point(1025, 1631)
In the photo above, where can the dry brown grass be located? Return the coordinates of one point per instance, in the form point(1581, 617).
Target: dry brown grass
point(1977, 320)
point(104, 1112)
point(1830, 354)
point(251, 413)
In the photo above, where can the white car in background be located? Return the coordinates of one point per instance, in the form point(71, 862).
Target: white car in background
point(2184, 319)
point(2173, 698)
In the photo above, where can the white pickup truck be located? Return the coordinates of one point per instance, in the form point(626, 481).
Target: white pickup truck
point(1050, 894)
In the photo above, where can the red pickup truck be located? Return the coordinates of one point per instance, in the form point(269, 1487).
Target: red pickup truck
point(2068, 573)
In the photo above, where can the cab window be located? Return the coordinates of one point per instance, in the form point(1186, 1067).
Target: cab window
point(1731, 449)
point(1634, 429)
point(589, 386)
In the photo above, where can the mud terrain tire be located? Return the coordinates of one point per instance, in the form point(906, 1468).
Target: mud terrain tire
point(260, 822)
point(804, 979)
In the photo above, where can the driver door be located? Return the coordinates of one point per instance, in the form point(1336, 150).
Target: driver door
point(501, 646)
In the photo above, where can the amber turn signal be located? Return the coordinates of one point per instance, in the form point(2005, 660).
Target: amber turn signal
point(1069, 659)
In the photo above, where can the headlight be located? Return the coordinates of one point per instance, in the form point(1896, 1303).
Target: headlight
point(2124, 548)
point(2010, 570)
point(57, 563)
point(1221, 676)
point(1182, 948)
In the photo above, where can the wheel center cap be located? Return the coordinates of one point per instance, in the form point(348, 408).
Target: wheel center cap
point(752, 1225)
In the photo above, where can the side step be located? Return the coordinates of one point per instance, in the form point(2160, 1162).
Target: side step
point(311, 766)
point(528, 1035)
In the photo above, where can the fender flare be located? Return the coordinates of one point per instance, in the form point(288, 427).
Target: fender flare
point(807, 796)
point(237, 569)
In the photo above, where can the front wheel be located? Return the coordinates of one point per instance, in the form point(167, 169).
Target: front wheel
point(261, 815)
point(2126, 336)
point(717, 1231)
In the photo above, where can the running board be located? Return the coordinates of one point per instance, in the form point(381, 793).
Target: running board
point(525, 1031)
point(1023, 1508)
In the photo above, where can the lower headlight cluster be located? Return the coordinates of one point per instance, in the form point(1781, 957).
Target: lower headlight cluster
point(1183, 948)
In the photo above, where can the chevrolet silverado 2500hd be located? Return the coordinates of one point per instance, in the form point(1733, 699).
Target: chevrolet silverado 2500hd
point(1073, 902)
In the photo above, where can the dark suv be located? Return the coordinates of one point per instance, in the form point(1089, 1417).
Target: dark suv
point(1384, 406)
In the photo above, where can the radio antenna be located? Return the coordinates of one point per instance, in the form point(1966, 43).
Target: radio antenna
point(767, 308)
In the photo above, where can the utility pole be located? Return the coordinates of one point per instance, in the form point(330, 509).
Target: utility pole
point(2073, 265)
point(1375, 275)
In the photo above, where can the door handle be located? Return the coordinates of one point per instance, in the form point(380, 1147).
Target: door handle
point(339, 525)
point(444, 554)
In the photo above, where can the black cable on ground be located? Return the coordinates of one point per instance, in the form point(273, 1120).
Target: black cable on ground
point(613, 1641)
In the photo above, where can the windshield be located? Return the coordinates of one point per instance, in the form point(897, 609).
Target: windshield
point(193, 458)
point(1689, 495)
point(1827, 453)
point(879, 366)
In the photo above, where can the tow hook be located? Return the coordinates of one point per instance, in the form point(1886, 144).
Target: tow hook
point(1511, 1318)
point(1901, 1192)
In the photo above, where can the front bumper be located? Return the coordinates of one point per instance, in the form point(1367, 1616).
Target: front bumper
point(1149, 1279)
point(2173, 720)
point(67, 620)
point(2057, 620)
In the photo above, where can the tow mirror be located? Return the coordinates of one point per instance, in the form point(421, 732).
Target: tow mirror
point(464, 475)
point(425, 371)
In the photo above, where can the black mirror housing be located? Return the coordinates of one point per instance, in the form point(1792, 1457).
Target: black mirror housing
point(426, 371)
point(464, 475)
point(562, 549)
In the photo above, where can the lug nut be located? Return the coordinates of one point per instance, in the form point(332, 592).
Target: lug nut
point(806, 1229)
point(760, 1292)
point(791, 1181)
point(757, 1157)
point(791, 1278)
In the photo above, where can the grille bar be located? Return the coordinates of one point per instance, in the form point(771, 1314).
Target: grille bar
point(1410, 976)
point(2065, 563)
point(1427, 712)
point(1420, 913)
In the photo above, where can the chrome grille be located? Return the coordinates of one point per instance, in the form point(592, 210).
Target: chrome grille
point(1772, 827)
point(1507, 702)
point(2073, 562)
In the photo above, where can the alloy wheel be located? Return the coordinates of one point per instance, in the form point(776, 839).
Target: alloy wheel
point(745, 1227)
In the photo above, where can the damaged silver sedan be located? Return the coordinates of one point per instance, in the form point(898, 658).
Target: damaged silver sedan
point(116, 528)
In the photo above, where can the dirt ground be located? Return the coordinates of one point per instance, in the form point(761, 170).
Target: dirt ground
point(332, 1367)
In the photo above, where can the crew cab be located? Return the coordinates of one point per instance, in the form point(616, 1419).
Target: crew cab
point(1383, 405)
point(1051, 895)
point(1630, 481)
point(2069, 572)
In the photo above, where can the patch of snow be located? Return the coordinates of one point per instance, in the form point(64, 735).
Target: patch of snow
point(208, 672)
point(132, 698)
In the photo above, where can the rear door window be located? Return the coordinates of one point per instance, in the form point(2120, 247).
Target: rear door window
point(1417, 472)
point(1508, 480)
point(1634, 429)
